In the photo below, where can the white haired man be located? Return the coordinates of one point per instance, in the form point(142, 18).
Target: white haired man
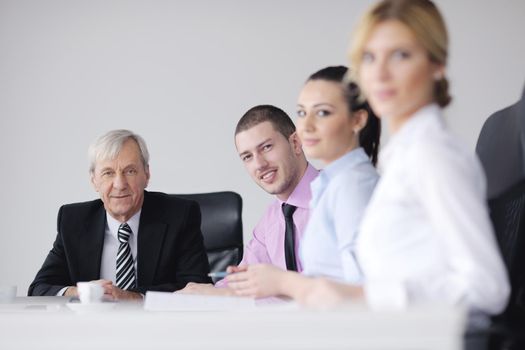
point(130, 240)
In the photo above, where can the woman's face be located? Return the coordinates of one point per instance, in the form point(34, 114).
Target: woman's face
point(324, 123)
point(396, 74)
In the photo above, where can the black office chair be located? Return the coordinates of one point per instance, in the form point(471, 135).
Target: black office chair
point(221, 227)
point(507, 212)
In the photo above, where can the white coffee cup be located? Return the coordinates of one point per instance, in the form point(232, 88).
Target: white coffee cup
point(7, 294)
point(90, 292)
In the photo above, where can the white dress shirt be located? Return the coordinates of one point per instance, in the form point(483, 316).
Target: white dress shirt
point(108, 264)
point(340, 195)
point(426, 235)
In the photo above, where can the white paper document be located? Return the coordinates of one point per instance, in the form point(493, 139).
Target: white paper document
point(161, 301)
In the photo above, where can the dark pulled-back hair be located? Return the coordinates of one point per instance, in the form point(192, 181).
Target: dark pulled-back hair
point(370, 135)
point(266, 113)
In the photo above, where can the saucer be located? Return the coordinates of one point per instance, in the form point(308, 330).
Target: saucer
point(91, 307)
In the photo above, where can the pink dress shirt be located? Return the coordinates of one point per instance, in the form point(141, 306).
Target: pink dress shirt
point(267, 244)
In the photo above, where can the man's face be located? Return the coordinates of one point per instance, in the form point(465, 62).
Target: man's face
point(121, 182)
point(272, 161)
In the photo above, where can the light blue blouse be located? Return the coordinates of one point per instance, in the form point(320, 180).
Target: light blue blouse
point(340, 195)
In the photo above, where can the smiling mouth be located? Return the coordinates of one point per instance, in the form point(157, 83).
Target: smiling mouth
point(268, 175)
point(121, 196)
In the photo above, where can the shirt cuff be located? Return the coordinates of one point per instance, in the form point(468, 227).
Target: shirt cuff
point(386, 295)
point(62, 291)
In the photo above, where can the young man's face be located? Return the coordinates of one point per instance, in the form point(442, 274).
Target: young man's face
point(272, 161)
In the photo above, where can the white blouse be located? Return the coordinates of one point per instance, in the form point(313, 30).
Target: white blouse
point(426, 235)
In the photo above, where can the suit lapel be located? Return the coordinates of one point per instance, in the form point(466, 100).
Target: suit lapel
point(151, 237)
point(91, 243)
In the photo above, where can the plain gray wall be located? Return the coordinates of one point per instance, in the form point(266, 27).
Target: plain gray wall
point(181, 73)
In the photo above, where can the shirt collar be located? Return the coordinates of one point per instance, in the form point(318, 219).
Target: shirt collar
point(350, 159)
point(114, 224)
point(300, 197)
point(427, 115)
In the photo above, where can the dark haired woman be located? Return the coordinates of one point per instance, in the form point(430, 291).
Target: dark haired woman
point(338, 129)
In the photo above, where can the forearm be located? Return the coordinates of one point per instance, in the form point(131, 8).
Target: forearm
point(165, 287)
point(292, 284)
point(43, 289)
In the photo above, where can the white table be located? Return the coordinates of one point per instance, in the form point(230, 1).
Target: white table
point(47, 323)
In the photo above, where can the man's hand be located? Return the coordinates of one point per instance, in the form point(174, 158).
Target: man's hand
point(73, 292)
point(205, 289)
point(234, 269)
point(115, 293)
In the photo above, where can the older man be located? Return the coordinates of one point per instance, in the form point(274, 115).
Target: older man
point(129, 240)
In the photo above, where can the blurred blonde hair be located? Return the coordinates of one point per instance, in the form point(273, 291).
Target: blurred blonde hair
point(423, 18)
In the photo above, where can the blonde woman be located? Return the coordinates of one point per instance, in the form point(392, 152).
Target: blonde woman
point(426, 235)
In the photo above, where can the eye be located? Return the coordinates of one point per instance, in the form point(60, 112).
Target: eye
point(106, 173)
point(246, 157)
point(267, 147)
point(323, 113)
point(301, 113)
point(131, 172)
point(367, 57)
point(401, 54)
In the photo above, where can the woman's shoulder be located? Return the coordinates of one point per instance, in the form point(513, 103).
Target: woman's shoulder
point(358, 177)
point(443, 155)
point(439, 146)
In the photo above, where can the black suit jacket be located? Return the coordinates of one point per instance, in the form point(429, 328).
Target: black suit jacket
point(501, 148)
point(170, 249)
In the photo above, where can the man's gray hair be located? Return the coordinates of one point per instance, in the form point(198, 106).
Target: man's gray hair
point(108, 146)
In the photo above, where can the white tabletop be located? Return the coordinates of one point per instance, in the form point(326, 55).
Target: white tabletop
point(49, 323)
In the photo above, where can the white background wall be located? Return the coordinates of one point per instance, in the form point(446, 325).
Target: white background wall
point(181, 73)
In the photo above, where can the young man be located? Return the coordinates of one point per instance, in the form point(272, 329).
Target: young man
point(271, 152)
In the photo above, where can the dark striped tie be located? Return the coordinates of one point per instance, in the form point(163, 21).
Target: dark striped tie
point(289, 237)
point(125, 266)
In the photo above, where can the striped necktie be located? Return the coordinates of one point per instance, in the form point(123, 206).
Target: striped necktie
point(125, 266)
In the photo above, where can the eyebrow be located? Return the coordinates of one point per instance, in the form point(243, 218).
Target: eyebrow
point(394, 46)
point(256, 147)
point(131, 165)
point(317, 105)
point(106, 169)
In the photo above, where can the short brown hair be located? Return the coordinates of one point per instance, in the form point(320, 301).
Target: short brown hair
point(266, 113)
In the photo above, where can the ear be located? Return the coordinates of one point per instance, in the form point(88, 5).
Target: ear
point(296, 144)
point(361, 118)
point(93, 181)
point(438, 72)
point(146, 170)
point(235, 141)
